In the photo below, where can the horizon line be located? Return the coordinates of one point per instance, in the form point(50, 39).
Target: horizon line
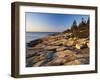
point(42, 31)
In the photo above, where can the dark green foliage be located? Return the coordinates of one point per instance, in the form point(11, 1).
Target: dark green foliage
point(74, 25)
point(81, 30)
point(66, 31)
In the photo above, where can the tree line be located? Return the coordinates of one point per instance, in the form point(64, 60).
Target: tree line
point(81, 30)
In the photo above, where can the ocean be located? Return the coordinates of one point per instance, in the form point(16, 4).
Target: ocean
point(30, 36)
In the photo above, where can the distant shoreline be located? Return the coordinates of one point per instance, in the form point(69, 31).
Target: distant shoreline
point(44, 32)
point(31, 36)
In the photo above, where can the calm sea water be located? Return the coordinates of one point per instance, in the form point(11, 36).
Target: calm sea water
point(30, 36)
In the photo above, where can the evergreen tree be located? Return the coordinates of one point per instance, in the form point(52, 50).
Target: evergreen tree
point(88, 21)
point(74, 28)
point(83, 21)
point(82, 24)
point(74, 25)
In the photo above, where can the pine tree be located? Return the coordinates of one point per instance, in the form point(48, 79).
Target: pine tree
point(83, 21)
point(82, 24)
point(88, 21)
point(74, 28)
point(74, 25)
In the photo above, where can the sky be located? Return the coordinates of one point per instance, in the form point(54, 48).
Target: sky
point(51, 22)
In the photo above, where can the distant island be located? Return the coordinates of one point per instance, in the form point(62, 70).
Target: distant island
point(70, 47)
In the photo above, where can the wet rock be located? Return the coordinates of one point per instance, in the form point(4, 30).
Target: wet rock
point(49, 54)
point(43, 59)
point(29, 62)
point(30, 52)
point(33, 43)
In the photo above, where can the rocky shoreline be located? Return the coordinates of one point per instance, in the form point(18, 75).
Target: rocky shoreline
point(58, 50)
